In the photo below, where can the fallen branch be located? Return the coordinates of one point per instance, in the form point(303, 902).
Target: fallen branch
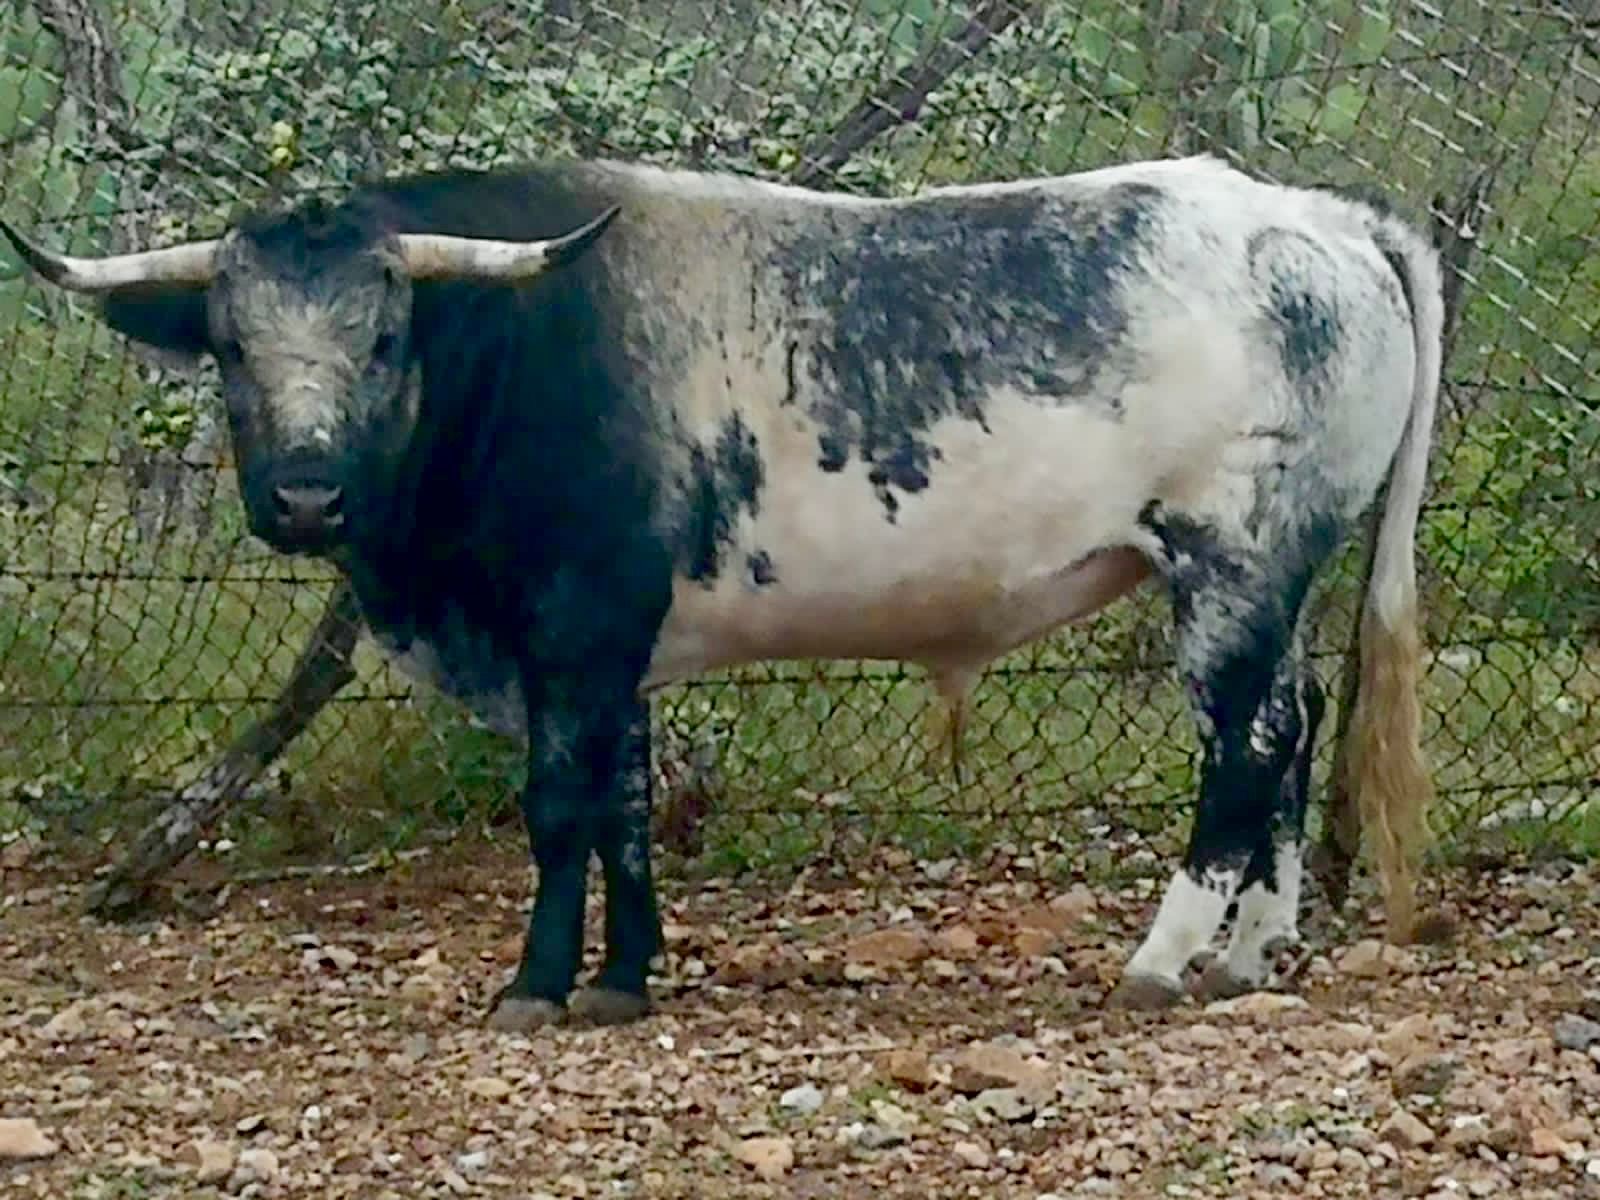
point(700, 1052)
point(323, 668)
point(361, 866)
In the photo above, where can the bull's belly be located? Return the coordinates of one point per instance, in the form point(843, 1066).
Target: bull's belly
point(1020, 529)
point(951, 624)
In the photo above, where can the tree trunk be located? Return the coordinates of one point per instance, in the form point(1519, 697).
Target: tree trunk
point(169, 484)
point(900, 102)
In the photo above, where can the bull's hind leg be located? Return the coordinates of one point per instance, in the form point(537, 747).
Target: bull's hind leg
point(1237, 600)
point(1267, 921)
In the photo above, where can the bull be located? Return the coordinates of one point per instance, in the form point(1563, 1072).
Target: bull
point(576, 431)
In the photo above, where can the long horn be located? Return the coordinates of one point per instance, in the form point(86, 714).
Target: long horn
point(193, 262)
point(438, 256)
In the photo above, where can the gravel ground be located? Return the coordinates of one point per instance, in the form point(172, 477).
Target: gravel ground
point(916, 1030)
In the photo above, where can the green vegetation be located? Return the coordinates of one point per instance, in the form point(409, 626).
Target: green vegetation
point(126, 660)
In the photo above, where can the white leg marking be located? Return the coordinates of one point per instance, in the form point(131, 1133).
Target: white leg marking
point(1189, 915)
point(1266, 917)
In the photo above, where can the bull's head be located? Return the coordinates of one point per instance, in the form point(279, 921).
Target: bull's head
point(309, 317)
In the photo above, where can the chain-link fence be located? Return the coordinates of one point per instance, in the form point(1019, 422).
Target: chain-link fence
point(141, 629)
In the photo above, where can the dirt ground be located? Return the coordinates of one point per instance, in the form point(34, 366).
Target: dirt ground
point(916, 1030)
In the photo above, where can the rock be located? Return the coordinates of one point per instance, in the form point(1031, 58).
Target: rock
point(1372, 959)
point(769, 1157)
point(21, 1137)
point(804, 1099)
point(873, 1136)
point(67, 1024)
point(1350, 1159)
point(488, 1088)
point(958, 941)
point(940, 871)
point(576, 1081)
point(1347, 1035)
point(1004, 1104)
point(1407, 1036)
point(1077, 902)
point(1203, 1037)
point(424, 988)
point(1425, 1074)
point(1405, 1131)
point(1047, 918)
point(1573, 1032)
point(984, 1065)
point(472, 1162)
point(972, 1154)
point(910, 1069)
point(1547, 1143)
point(1467, 1131)
point(1118, 1163)
point(887, 948)
point(1034, 943)
point(212, 1161)
point(1256, 1004)
point(1278, 1175)
point(258, 1163)
point(14, 855)
point(335, 958)
point(1537, 920)
point(1514, 1055)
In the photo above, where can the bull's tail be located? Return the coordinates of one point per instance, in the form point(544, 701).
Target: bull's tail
point(1386, 769)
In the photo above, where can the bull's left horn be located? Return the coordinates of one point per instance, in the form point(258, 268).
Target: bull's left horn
point(438, 256)
point(193, 262)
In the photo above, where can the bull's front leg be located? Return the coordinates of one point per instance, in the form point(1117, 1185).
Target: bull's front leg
point(588, 791)
point(558, 809)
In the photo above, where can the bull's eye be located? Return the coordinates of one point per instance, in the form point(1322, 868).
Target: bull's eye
point(383, 348)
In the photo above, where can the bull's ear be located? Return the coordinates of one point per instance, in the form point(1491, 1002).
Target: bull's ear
point(169, 317)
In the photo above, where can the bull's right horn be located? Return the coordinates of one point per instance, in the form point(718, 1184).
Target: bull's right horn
point(437, 256)
point(193, 262)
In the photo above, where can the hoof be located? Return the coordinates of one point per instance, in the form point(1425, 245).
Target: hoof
point(607, 1006)
point(1144, 993)
point(1217, 982)
point(524, 1014)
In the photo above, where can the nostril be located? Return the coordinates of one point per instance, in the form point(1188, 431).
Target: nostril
point(307, 506)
